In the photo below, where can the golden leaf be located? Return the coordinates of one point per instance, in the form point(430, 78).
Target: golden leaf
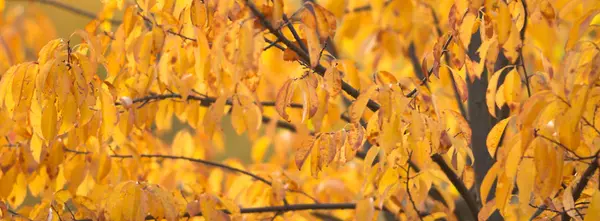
point(49, 121)
point(495, 136)
point(365, 209)
point(333, 80)
point(284, 97)
point(304, 150)
point(212, 119)
point(127, 201)
point(357, 108)
point(594, 209)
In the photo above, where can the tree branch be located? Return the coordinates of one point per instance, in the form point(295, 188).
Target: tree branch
point(522, 35)
point(195, 160)
point(71, 9)
point(304, 55)
point(412, 202)
point(458, 184)
point(585, 177)
point(288, 208)
point(365, 8)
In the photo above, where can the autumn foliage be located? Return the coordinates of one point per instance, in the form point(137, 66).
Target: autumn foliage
point(355, 109)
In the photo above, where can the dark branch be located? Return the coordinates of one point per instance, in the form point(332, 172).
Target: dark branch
point(365, 8)
point(70, 8)
point(304, 55)
point(288, 208)
point(585, 177)
point(412, 202)
point(458, 184)
point(195, 160)
point(522, 35)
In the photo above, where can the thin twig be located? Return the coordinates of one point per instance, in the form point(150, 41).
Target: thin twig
point(365, 8)
point(458, 184)
point(585, 177)
point(195, 160)
point(70, 8)
point(590, 124)
point(55, 210)
point(295, 34)
point(14, 213)
point(288, 208)
point(576, 193)
point(564, 147)
point(408, 189)
point(522, 35)
point(424, 80)
point(304, 57)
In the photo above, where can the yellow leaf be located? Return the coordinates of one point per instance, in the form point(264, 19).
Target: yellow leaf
point(500, 99)
point(215, 180)
point(487, 210)
point(388, 179)
point(201, 53)
point(19, 191)
point(161, 203)
point(525, 180)
point(75, 171)
point(198, 13)
point(278, 191)
point(466, 29)
point(370, 158)
point(495, 135)
point(548, 166)
point(579, 27)
point(315, 159)
point(355, 137)
point(512, 88)
point(490, 93)
point(593, 212)
point(208, 206)
point(512, 45)
point(365, 209)
point(327, 149)
point(164, 116)
point(212, 119)
point(69, 114)
point(127, 201)
point(532, 107)
point(513, 160)
point(109, 114)
point(237, 116)
point(357, 108)
point(277, 17)
point(504, 188)
point(231, 206)
point(503, 22)
point(284, 97)
point(184, 145)
point(568, 201)
point(7, 181)
point(259, 148)
point(314, 45)
point(49, 121)
point(487, 182)
point(333, 80)
point(101, 164)
point(310, 97)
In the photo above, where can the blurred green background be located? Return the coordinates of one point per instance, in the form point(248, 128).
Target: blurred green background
point(67, 22)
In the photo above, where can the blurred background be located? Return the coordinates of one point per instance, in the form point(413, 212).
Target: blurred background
point(66, 22)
